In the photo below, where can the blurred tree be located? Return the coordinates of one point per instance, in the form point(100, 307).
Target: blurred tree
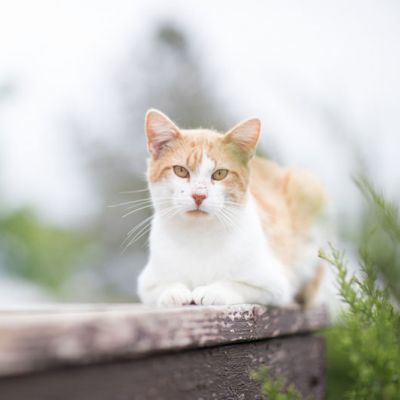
point(6, 89)
point(174, 82)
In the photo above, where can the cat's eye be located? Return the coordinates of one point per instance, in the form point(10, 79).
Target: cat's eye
point(180, 171)
point(219, 174)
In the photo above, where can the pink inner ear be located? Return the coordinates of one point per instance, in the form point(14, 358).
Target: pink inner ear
point(245, 135)
point(157, 145)
point(160, 130)
point(158, 139)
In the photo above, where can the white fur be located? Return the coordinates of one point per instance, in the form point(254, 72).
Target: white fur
point(207, 259)
point(218, 266)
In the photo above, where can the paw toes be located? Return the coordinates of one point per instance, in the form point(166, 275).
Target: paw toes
point(175, 297)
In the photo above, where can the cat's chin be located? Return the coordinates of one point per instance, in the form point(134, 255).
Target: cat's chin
point(197, 213)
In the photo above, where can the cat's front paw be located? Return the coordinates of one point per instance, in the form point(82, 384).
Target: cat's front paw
point(175, 295)
point(216, 295)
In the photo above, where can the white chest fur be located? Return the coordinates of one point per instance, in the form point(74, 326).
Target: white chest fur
point(198, 252)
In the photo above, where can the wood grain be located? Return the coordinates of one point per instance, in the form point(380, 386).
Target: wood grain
point(39, 339)
point(211, 373)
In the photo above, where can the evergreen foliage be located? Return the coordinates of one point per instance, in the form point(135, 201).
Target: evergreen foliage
point(364, 347)
point(275, 388)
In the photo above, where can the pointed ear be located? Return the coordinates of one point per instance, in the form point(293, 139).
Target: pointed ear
point(245, 135)
point(160, 130)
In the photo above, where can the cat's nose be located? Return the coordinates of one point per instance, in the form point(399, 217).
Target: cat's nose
point(198, 198)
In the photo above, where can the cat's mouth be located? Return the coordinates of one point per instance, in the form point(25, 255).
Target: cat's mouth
point(197, 213)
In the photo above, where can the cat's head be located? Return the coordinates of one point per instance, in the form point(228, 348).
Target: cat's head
point(198, 173)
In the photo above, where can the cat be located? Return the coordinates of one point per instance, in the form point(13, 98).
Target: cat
point(229, 227)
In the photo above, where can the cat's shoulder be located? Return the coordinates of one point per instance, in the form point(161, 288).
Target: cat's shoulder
point(266, 170)
point(290, 179)
point(296, 187)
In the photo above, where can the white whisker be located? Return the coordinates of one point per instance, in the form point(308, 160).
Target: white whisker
point(137, 209)
point(134, 191)
point(228, 222)
point(128, 202)
point(231, 217)
point(145, 226)
point(137, 226)
point(221, 220)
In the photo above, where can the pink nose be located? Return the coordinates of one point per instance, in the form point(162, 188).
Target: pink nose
point(198, 198)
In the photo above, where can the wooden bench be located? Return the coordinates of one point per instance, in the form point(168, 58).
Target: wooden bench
point(121, 352)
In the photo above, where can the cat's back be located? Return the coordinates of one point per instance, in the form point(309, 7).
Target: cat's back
point(289, 200)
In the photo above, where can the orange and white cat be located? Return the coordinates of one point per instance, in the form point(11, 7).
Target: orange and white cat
point(228, 227)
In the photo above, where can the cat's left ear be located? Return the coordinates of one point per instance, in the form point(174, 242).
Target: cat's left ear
point(160, 130)
point(245, 135)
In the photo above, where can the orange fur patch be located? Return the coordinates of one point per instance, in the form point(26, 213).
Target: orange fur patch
point(290, 200)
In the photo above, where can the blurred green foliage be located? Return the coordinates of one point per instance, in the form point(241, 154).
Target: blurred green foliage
point(38, 252)
point(379, 238)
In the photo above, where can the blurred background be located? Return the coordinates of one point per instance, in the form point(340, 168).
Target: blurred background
point(76, 78)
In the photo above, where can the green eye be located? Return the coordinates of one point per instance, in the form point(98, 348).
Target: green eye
point(219, 174)
point(180, 171)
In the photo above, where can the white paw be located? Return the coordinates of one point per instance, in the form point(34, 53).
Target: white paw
point(216, 294)
point(175, 295)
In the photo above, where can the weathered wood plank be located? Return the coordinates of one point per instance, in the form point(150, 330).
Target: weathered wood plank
point(32, 340)
point(212, 373)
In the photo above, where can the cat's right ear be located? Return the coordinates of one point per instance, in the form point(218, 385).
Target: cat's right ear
point(160, 130)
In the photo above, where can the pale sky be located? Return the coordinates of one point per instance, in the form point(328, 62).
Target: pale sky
point(276, 60)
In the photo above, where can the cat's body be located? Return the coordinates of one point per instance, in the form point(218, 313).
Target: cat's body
point(228, 228)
